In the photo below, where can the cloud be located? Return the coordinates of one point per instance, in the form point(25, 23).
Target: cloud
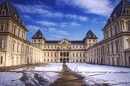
point(47, 23)
point(45, 12)
point(57, 36)
point(31, 27)
point(99, 7)
point(38, 9)
point(75, 17)
point(98, 20)
point(55, 31)
point(62, 24)
point(74, 24)
point(26, 17)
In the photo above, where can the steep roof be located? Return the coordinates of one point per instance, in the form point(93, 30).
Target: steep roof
point(119, 10)
point(38, 35)
point(90, 35)
point(10, 11)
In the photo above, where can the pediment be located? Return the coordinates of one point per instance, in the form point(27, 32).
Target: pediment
point(64, 42)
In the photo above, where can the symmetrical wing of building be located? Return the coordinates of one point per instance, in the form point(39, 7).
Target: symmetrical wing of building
point(114, 49)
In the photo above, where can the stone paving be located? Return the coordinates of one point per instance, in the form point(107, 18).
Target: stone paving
point(69, 78)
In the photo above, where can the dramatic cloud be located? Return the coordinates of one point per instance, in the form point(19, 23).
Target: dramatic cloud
point(39, 9)
point(100, 7)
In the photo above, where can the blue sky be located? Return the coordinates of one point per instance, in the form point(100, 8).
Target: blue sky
point(70, 19)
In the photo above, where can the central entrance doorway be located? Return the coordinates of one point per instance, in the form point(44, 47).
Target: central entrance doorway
point(64, 60)
point(64, 57)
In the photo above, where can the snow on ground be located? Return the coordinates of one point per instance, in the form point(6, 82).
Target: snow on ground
point(49, 67)
point(36, 76)
point(10, 79)
point(83, 67)
point(97, 74)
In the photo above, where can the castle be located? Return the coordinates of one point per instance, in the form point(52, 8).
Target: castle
point(114, 49)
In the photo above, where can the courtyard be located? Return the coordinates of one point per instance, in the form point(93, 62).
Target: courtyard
point(69, 74)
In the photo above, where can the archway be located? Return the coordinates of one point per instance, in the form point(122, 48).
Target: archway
point(67, 60)
point(64, 60)
point(61, 60)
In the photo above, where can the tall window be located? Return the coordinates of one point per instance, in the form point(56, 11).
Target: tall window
point(1, 27)
point(0, 43)
point(18, 47)
point(107, 34)
point(1, 60)
point(112, 47)
point(108, 48)
point(128, 27)
point(14, 30)
point(111, 32)
point(116, 45)
point(115, 29)
point(19, 32)
point(13, 46)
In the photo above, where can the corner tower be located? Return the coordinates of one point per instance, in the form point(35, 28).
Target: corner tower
point(38, 39)
point(90, 39)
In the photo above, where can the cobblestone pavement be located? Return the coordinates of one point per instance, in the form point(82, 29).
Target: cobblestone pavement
point(69, 78)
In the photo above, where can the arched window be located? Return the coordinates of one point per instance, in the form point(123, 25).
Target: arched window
point(3, 12)
point(1, 27)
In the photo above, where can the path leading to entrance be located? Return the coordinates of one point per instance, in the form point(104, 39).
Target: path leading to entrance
point(69, 78)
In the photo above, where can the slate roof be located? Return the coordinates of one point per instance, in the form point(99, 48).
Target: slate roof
point(79, 42)
point(90, 35)
point(10, 11)
point(51, 41)
point(38, 35)
point(119, 10)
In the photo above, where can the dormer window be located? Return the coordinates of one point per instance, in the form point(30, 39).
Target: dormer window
point(3, 12)
point(115, 16)
point(19, 20)
point(23, 23)
point(15, 17)
point(107, 22)
point(110, 19)
point(127, 10)
point(1, 27)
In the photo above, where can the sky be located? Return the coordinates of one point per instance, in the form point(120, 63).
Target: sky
point(69, 19)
